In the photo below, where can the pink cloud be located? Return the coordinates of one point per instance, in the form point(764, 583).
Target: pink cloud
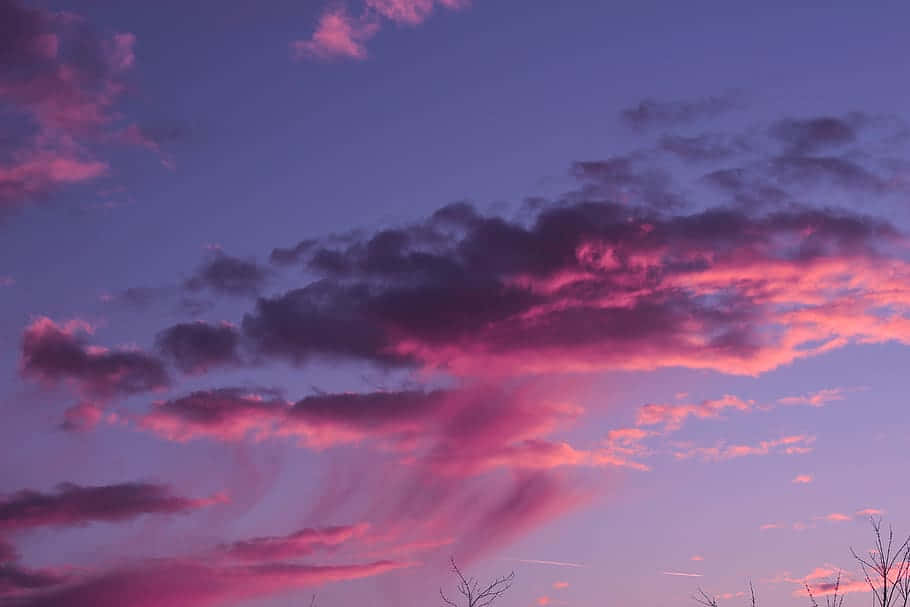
point(318, 421)
point(300, 543)
point(826, 580)
point(786, 445)
point(560, 585)
point(846, 586)
point(815, 399)
point(69, 77)
point(64, 80)
point(802, 479)
point(190, 583)
point(135, 135)
point(410, 12)
point(621, 297)
point(447, 443)
point(672, 416)
point(435, 430)
point(623, 447)
point(338, 35)
point(836, 517)
point(42, 167)
point(82, 417)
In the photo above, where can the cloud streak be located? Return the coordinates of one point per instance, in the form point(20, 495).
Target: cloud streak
point(77, 505)
point(651, 113)
point(553, 563)
point(167, 582)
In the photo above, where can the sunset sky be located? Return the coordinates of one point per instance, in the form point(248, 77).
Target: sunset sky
point(310, 296)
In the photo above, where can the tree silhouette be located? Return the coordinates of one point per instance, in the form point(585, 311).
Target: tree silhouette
point(473, 593)
point(886, 569)
point(831, 600)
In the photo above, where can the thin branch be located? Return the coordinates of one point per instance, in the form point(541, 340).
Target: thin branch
point(705, 599)
point(472, 592)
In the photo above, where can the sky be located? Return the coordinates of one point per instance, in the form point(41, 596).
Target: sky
point(312, 297)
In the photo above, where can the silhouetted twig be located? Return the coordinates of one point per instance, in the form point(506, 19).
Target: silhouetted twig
point(473, 593)
point(886, 568)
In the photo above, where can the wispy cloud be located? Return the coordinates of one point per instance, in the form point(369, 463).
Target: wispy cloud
point(831, 517)
point(796, 444)
point(826, 580)
point(836, 517)
point(553, 563)
point(815, 399)
point(650, 113)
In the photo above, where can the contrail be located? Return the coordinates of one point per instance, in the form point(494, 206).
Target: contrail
point(681, 573)
point(555, 563)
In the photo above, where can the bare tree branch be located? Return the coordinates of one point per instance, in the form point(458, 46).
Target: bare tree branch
point(886, 568)
point(473, 593)
point(705, 599)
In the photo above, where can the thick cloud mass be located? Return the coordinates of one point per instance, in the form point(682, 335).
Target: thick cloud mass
point(54, 353)
point(584, 285)
point(485, 325)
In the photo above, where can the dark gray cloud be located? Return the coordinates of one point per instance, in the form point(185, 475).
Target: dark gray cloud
point(15, 579)
point(627, 179)
point(77, 505)
point(460, 278)
point(703, 148)
point(229, 275)
point(53, 353)
point(651, 113)
point(199, 346)
point(812, 135)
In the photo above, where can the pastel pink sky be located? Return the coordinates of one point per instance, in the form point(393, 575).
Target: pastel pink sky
point(309, 298)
